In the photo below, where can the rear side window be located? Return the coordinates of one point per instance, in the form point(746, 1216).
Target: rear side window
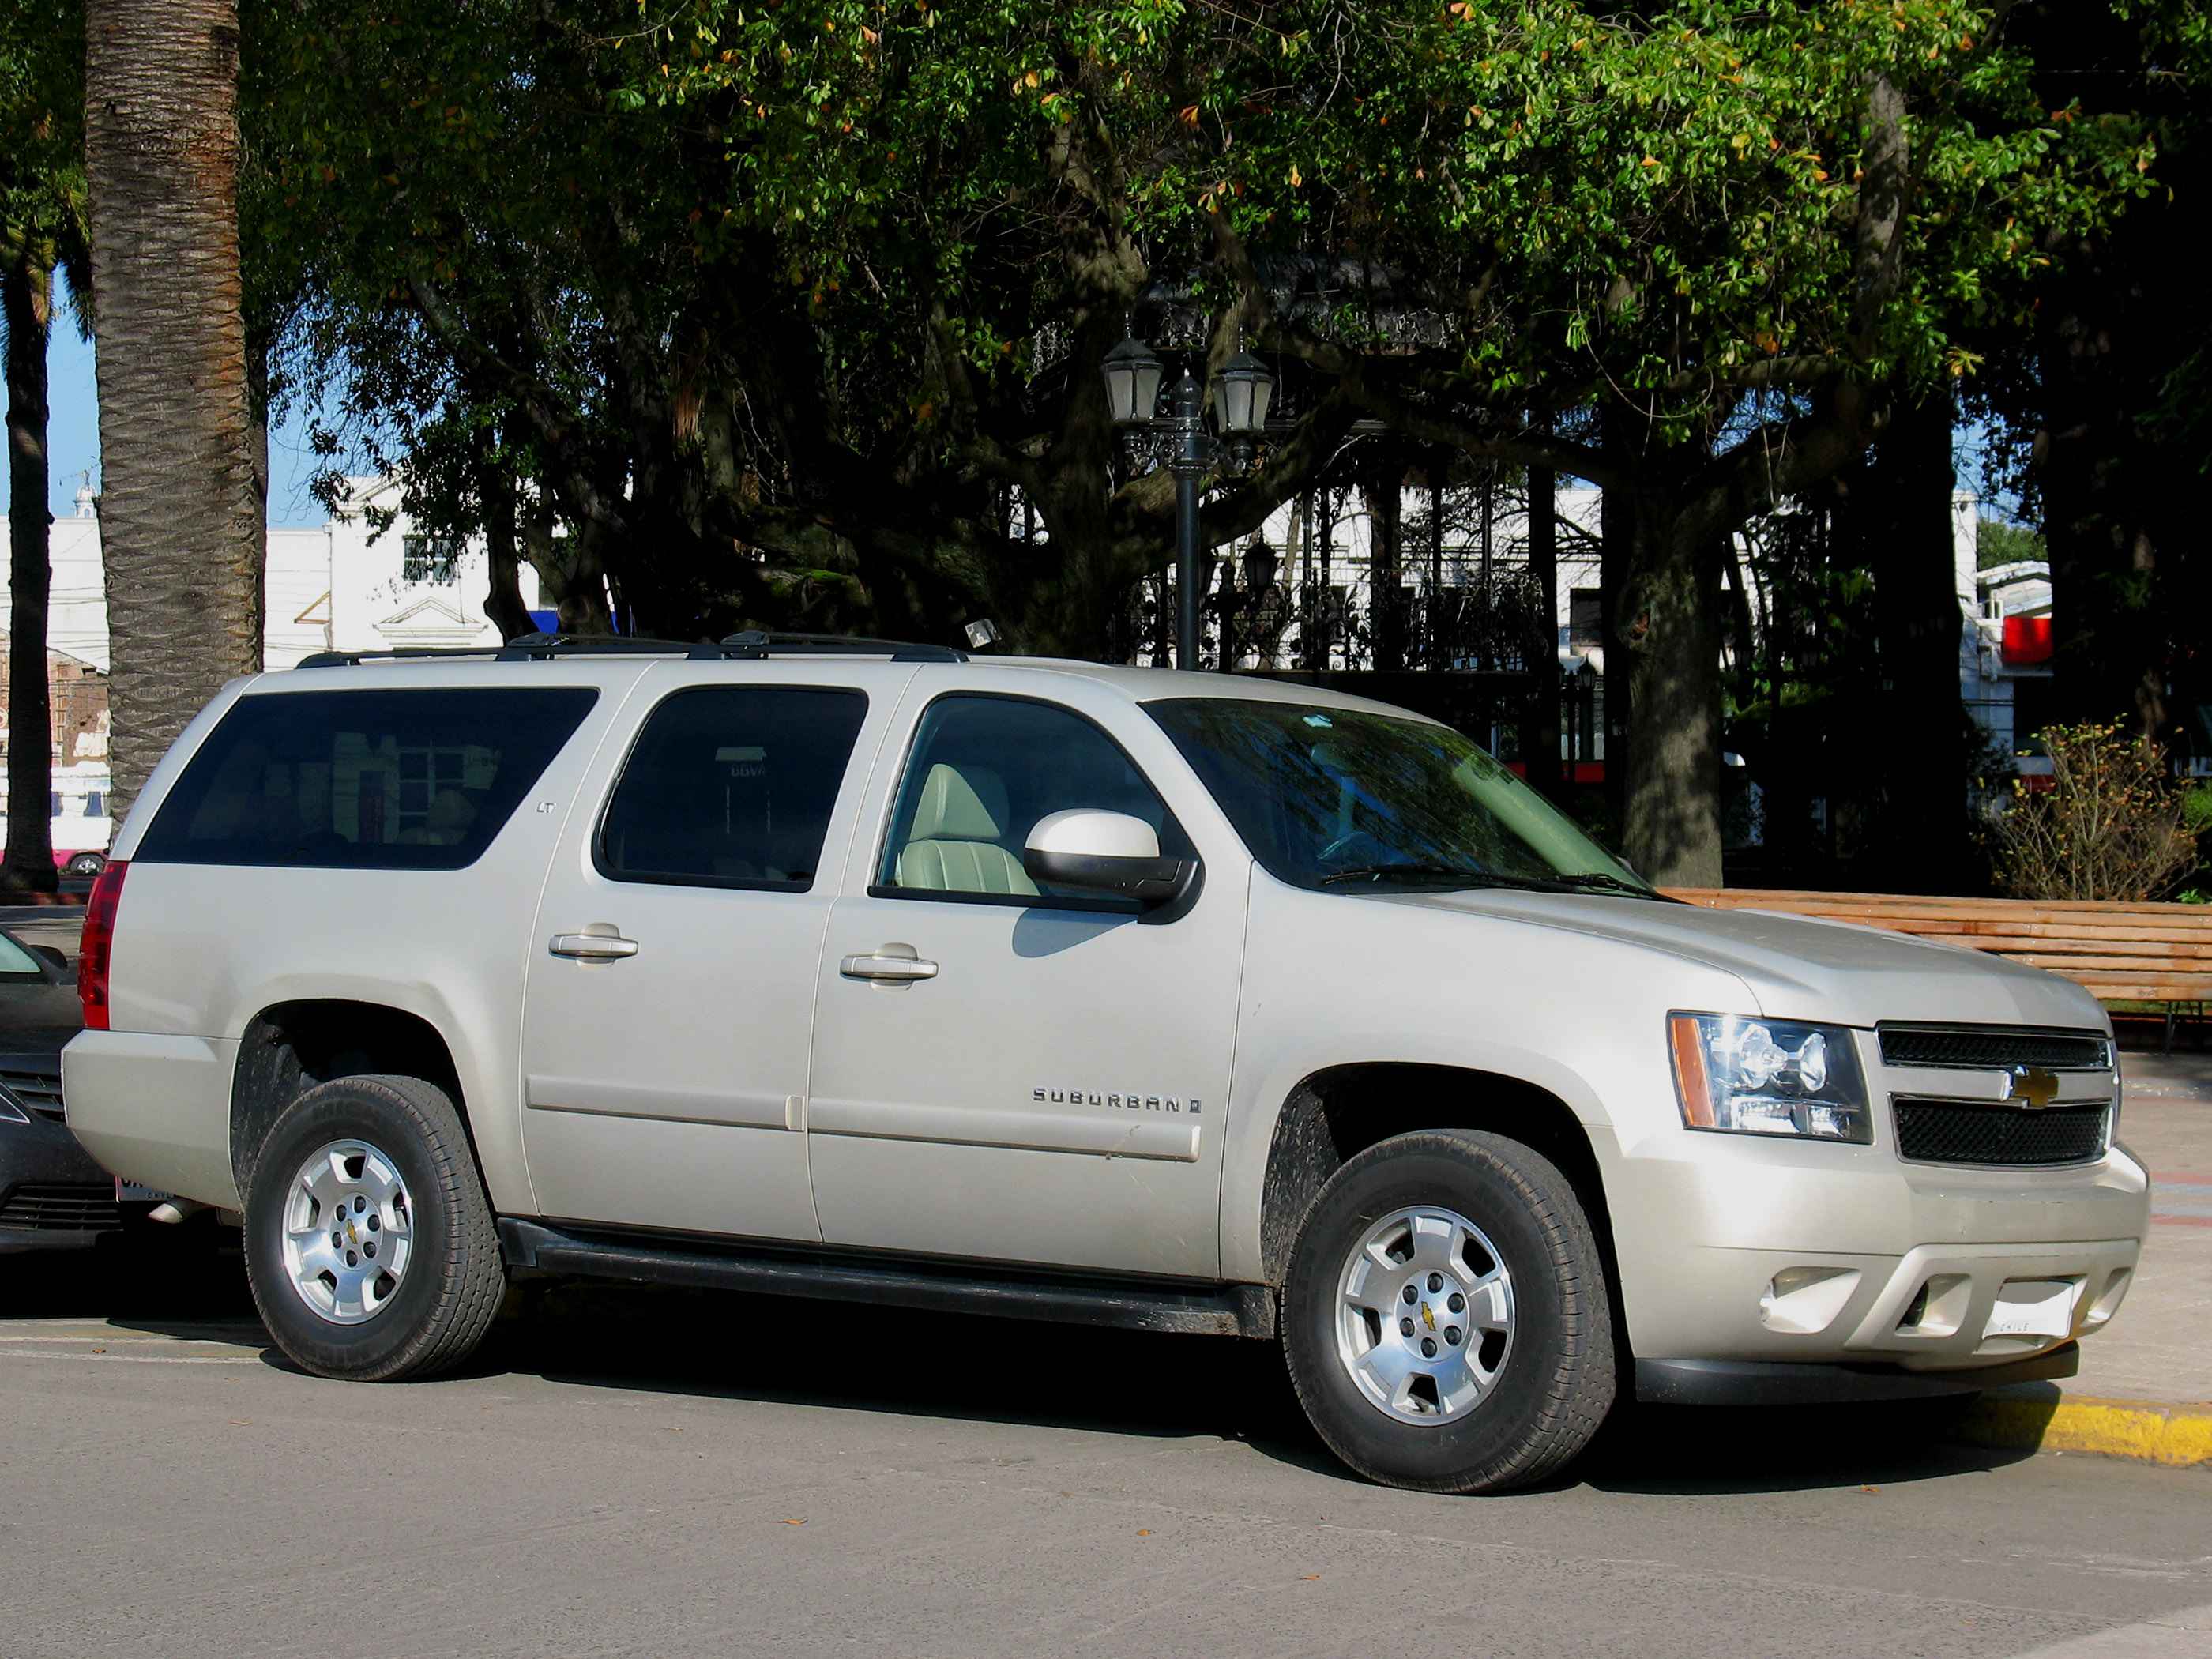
point(412, 780)
point(731, 787)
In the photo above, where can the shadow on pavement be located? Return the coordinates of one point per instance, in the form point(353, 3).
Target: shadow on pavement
point(904, 1363)
point(1126, 1383)
point(190, 1273)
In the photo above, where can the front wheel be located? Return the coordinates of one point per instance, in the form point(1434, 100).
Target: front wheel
point(85, 864)
point(1446, 1320)
point(369, 1242)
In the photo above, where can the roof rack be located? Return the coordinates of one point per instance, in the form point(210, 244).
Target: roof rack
point(749, 645)
point(753, 643)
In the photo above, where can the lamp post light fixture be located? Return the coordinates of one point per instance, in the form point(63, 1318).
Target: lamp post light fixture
point(1179, 439)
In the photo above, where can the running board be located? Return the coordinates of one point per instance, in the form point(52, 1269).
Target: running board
point(1132, 1303)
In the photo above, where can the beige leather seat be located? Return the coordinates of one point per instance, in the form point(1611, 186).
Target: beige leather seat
point(953, 846)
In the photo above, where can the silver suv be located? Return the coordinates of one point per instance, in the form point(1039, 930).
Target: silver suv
point(1180, 1001)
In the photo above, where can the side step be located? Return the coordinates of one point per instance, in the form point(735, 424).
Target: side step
point(1132, 1303)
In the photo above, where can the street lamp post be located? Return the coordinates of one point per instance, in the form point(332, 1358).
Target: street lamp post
point(1180, 440)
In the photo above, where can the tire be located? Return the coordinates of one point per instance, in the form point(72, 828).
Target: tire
point(1545, 1342)
point(399, 1133)
point(85, 864)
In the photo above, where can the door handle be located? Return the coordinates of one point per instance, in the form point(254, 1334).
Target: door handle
point(888, 965)
point(598, 942)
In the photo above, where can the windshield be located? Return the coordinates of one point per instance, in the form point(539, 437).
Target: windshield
point(1344, 799)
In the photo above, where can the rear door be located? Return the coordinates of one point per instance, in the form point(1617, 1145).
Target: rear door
point(672, 982)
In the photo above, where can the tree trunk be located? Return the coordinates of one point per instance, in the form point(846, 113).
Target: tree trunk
point(569, 571)
point(1920, 624)
point(28, 292)
point(503, 604)
point(2100, 488)
point(1668, 607)
point(182, 539)
point(1539, 742)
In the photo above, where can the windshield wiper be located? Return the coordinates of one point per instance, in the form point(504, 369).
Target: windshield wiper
point(1599, 881)
point(1419, 872)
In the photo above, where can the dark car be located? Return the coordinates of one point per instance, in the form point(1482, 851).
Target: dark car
point(51, 1194)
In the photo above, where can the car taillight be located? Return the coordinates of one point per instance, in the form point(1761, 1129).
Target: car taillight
point(98, 944)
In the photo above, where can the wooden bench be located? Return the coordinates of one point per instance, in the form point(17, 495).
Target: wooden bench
point(2119, 952)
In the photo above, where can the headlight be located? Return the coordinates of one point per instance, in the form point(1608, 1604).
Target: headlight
point(1768, 1077)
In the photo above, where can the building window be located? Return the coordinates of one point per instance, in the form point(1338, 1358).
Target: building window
point(95, 803)
point(1586, 617)
point(429, 559)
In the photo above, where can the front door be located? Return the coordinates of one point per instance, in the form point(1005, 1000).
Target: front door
point(672, 979)
point(1010, 1073)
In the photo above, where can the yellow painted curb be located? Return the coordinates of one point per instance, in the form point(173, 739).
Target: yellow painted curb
point(2036, 1417)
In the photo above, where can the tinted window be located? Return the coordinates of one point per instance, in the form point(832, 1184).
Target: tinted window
point(731, 787)
point(1346, 800)
point(363, 779)
point(983, 771)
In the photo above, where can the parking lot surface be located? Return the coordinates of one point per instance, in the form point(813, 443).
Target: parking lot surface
point(650, 1472)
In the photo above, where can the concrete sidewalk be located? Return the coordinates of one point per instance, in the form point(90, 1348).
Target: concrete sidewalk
point(2145, 1387)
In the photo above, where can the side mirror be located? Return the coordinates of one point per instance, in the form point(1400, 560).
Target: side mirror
point(1107, 853)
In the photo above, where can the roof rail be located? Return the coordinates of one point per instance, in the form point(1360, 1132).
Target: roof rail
point(523, 648)
point(755, 643)
point(749, 645)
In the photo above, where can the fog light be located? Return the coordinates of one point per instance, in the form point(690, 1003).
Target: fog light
point(1802, 1301)
point(2109, 1299)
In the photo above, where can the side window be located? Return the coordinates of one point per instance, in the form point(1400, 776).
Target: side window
point(983, 771)
point(731, 787)
point(409, 780)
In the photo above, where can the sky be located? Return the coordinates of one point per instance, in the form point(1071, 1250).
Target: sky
point(73, 438)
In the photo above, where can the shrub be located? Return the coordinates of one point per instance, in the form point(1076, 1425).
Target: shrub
point(2108, 824)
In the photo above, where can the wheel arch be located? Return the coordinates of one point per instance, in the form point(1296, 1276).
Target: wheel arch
point(1335, 1112)
point(289, 1047)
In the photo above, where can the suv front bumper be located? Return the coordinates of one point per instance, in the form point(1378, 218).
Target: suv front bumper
point(1755, 1253)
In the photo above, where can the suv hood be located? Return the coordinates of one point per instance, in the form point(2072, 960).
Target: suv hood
point(1800, 968)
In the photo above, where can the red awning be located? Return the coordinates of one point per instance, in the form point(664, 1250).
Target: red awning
point(2026, 640)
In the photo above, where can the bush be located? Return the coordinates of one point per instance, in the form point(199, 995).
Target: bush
point(2108, 824)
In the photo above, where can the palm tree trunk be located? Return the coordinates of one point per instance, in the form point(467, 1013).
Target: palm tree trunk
point(28, 294)
point(180, 526)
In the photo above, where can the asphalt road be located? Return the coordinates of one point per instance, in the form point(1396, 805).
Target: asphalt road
point(649, 1472)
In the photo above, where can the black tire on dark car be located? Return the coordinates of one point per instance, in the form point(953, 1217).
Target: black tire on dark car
point(438, 1308)
point(1553, 1383)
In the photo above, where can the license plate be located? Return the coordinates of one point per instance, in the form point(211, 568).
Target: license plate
point(2035, 1307)
point(130, 1192)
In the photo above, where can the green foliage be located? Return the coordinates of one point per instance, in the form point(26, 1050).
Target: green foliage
point(2108, 822)
point(1997, 543)
point(42, 189)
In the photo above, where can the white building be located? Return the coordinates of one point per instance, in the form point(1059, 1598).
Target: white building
point(2005, 644)
point(338, 586)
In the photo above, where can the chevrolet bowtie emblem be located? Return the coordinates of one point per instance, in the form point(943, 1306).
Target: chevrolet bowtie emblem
point(1428, 1315)
point(2031, 1086)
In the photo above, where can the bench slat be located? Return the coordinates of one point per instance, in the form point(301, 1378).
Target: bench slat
point(2118, 952)
point(1785, 898)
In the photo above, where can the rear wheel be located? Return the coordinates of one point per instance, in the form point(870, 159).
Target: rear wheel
point(85, 864)
point(1446, 1320)
point(370, 1243)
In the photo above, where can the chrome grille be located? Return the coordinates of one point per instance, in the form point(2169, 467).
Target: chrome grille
point(73, 1208)
point(1961, 1132)
point(1995, 1046)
